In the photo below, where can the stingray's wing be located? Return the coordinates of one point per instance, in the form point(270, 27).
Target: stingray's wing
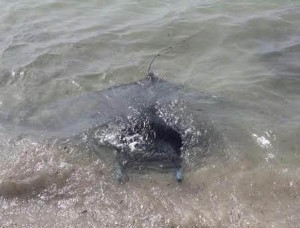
point(74, 115)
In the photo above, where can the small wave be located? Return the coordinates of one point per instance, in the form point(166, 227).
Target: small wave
point(32, 168)
point(35, 184)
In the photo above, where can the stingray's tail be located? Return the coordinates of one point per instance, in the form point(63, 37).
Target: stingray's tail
point(149, 73)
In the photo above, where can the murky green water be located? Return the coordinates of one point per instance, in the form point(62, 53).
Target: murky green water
point(245, 53)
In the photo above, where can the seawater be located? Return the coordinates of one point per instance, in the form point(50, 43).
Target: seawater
point(245, 53)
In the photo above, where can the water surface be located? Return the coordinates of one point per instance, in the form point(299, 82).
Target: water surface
point(245, 53)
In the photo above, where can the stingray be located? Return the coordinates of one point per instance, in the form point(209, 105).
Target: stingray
point(148, 122)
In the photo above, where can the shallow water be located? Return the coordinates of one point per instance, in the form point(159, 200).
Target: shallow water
point(244, 53)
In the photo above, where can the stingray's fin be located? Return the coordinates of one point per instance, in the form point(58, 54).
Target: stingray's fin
point(121, 176)
point(178, 169)
point(121, 161)
point(149, 73)
point(179, 174)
